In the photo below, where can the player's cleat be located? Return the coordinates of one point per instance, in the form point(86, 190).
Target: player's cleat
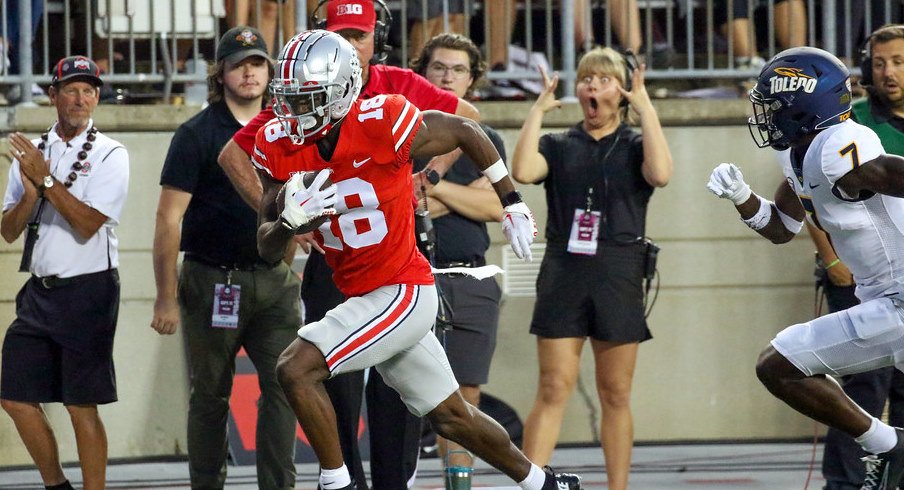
point(884, 471)
point(561, 481)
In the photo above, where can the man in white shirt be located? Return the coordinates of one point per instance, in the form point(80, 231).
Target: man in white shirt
point(68, 189)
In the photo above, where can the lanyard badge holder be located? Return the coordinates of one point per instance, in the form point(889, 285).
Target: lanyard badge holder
point(226, 301)
point(585, 229)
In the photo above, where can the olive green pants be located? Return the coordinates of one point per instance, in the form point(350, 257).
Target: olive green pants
point(269, 317)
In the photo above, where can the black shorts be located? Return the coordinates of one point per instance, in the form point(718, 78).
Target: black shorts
point(599, 296)
point(60, 346)
point(471, 341)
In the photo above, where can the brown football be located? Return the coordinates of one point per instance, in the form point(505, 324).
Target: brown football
point(308, 179)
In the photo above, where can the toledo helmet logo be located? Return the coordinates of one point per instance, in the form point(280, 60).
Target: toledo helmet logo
point(81, 64)
point(790, 79)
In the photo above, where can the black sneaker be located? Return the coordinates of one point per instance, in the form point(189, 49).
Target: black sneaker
point(884, 471)
point(561, 481)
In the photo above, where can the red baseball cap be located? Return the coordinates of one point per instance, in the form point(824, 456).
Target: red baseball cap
point(350, 14)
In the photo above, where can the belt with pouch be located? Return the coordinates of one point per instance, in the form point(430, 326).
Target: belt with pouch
point(53, 282)
point(239, 266)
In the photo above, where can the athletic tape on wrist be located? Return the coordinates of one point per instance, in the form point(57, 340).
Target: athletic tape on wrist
point(759, 220)
point(496, 171)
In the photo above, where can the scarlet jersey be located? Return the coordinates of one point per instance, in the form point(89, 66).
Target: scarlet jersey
point(370, 243)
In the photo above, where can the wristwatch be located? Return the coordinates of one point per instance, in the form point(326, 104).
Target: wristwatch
point(432, 176)
point(47, 184)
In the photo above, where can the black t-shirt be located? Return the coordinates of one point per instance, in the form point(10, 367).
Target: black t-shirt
point(460, 239)
point(218, 225)
point(611, 167)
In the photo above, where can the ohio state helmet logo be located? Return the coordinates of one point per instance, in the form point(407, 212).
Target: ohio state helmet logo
point(81, 64)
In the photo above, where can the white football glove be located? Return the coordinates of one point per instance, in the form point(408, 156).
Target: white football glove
point(727, 182)
point(305, 204)
point(519, 228)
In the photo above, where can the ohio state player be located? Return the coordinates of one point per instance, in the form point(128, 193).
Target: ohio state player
point(366, 147)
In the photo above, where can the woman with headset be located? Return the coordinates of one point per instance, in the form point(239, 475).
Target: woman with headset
point(599, 176)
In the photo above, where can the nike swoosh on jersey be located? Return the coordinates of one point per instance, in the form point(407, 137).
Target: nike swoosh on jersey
point(357, 164)
point(813, 186)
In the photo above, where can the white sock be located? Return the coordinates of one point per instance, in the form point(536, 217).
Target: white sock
point(335, 479)
point(534, 480)
point(879, 438)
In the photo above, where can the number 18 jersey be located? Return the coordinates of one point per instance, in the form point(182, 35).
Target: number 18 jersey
point(370, 243)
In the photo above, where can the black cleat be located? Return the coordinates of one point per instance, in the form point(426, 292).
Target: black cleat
point(884, 471)
point(561, 481)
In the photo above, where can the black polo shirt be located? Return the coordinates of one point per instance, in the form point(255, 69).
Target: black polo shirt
point(460, 239)
point(218, 225)
point(611, 167)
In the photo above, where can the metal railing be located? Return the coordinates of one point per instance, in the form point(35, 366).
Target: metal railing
point(143, 41)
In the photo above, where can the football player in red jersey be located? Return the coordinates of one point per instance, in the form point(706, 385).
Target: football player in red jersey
point(394, 433)
point(366, 147)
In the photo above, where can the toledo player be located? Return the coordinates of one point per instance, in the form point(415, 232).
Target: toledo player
point(366, 147)
point(840, 178)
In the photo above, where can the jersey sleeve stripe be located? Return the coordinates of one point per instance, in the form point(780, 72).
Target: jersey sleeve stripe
point(415, 118)
point(260, 154)
point(258, 165)
point(402, 116)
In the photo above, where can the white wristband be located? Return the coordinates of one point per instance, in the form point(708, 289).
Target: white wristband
point(762, 217)
point(496, 171)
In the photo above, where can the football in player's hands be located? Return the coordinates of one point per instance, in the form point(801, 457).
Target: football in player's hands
point(307, 178)
point(314, 207)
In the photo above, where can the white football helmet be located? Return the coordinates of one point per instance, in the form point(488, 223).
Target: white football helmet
point(318, 77)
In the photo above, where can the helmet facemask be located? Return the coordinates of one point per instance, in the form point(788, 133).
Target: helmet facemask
point(303, 112)
point(762, 128)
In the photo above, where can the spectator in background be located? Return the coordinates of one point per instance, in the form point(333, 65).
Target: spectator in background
point(790, 29)
point(68, 188)
point(9, 56)
point(394, 432)
point(273, 15)
point(431, 23)
point(853, 13)
point(883, 112)
point(740, 32)
point(460, 205)
point(501, 16)
point(254, 303)
point(599, 177)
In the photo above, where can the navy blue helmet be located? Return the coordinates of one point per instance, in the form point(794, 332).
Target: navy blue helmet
point(800, 91)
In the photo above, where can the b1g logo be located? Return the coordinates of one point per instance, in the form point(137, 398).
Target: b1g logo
point(791, 80)
point(350, 9)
